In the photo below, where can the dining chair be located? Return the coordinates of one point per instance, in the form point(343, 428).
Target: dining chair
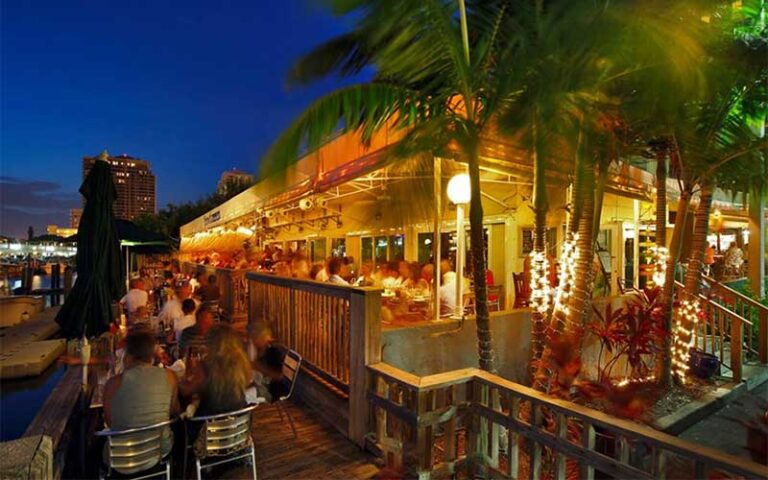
point(136, 453)
point(522, 291)
point(291, 369)
point(227, 438)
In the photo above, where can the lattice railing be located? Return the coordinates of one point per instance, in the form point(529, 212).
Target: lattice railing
point(473, 421)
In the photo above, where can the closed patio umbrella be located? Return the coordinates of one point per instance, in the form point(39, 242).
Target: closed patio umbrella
point(87, 311)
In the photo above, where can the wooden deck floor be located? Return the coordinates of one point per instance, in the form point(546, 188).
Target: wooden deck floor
point(318, 452)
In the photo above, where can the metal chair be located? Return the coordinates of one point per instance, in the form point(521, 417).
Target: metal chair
point(136, 451)
point(227, 439)
point(291, 368)
point(495, 293)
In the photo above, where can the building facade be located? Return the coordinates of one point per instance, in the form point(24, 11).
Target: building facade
point(233, 178)
point(74, 217)
point(134, 182)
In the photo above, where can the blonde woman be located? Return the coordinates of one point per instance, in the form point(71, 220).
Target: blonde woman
point(224, 374)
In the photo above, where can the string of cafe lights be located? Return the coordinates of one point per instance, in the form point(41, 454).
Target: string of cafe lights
point(684, 338)
point(568, 258)
point(659, 256)
point(540, 289)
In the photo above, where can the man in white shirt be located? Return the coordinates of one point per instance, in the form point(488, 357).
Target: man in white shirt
point(448, 294)
point(135, 298)
point(334, 268)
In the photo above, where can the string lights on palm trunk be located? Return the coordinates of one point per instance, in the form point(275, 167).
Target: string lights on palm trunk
point(659, 256)
point(683, 334)
point(540, 289)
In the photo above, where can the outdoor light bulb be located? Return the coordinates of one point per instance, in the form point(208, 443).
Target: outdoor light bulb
point(459, 189)
point(245, 231)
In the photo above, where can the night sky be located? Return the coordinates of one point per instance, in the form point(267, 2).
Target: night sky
point(195, 87)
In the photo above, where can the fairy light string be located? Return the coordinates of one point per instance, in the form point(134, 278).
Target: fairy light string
point(683, 338)
point(659, 256)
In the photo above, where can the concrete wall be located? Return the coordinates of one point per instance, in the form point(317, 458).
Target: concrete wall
point(444, 347)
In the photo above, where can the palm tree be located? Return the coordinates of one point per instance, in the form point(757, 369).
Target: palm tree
point(432, 82)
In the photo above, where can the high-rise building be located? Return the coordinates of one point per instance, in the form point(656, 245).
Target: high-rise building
point(74, 217)
point(134, 182)
point(233, 178)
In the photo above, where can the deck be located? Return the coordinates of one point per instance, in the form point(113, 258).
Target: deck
point(318, 451)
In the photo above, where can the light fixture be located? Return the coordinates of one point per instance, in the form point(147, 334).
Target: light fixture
point(305, 203)
point(244, 230)
point(459, 189)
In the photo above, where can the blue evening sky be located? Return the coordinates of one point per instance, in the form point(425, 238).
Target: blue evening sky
point(193, 86)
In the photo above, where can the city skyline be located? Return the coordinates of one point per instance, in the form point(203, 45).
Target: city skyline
point(195, 93)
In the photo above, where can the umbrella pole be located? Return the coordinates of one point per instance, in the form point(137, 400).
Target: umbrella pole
point(127, 267)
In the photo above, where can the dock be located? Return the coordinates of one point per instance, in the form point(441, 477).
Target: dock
point(26, 350)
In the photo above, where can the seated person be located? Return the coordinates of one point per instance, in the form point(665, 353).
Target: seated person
point(334, 271)
point(210, 291)
point(405, 274)
point(268, 361)
point(186, 320)
point(223, 376)
point(171, 311)
point(448, 294)
point(367, 278)
point(427, 276)
point(142, 394)
point(135, 298)
point(194, 337)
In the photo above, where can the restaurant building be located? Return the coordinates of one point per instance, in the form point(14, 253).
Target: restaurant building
point(348, 199)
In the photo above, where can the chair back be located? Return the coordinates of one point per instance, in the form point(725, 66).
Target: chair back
point(213, 307)
point(522, 290)
point(291, 368)
point(226, 433)
point(136, 449)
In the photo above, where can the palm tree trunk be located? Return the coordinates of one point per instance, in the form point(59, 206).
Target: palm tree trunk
point(699, 241)
point(664, 367)
point(540, 207)
point(661, 199)
point(482, 318)
point(581, 297)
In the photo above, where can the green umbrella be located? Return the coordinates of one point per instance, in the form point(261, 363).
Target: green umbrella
point(88, 308)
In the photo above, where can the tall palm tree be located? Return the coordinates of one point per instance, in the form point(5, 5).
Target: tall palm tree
point(435, 80)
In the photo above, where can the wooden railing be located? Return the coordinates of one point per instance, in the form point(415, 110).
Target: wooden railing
point(233, 286)
point(747, 308)
point(336, 329)
point(450, 422)
point(721, 333)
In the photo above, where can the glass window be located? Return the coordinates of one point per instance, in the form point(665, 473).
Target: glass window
point(318, 250)
point(339, 247)
point(397, 247)
point(381, 247)
point(425, 247)
point(366, 247)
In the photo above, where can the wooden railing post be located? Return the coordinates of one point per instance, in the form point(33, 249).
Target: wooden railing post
point(737, 340)
point(364, 350)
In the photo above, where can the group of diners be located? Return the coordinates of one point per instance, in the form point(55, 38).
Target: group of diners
point(139, 305)
point(221, 371)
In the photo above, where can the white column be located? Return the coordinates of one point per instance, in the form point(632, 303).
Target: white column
point(461, 251)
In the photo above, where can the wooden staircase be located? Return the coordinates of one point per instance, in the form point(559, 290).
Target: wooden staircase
point(731, 315)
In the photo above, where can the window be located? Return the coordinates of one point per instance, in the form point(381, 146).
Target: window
point(366, 249)
point(339, 247)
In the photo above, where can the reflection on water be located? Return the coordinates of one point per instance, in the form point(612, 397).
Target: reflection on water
point(21, 399)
